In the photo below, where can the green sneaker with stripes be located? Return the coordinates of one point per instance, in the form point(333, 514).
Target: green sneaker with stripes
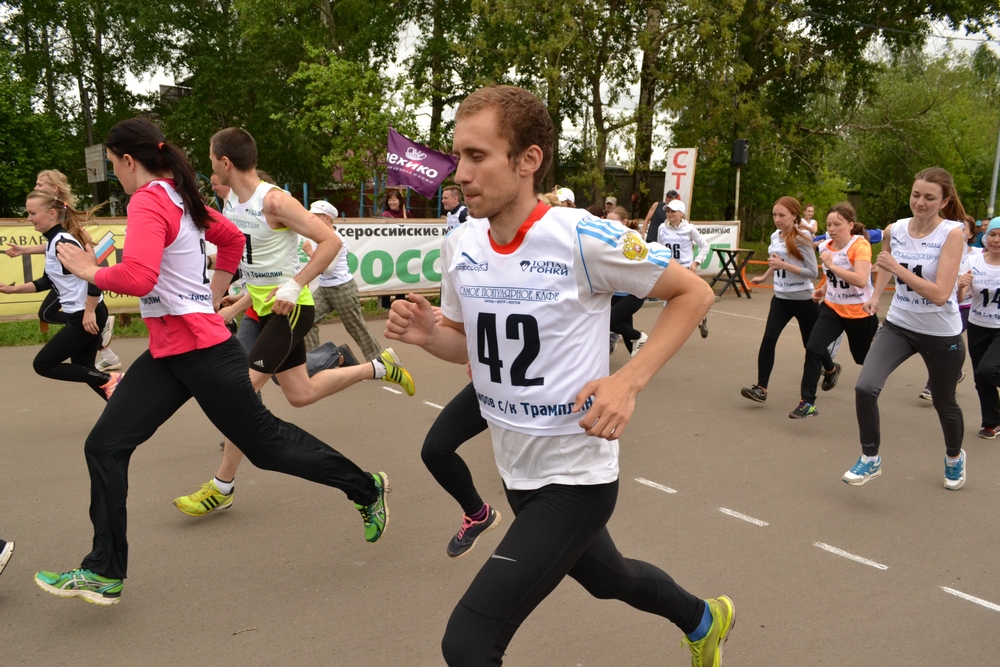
point(376, 515)
point(205, 500)
point(82, 584)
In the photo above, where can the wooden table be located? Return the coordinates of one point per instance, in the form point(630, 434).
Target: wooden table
point(733, 261)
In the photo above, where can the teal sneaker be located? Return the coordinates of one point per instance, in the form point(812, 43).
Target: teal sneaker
point(376, 515)
point(82, 584)
point(863, 472)
point(707, 651)
point(803, 411)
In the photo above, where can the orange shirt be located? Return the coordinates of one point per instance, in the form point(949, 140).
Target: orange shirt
point(860, 250)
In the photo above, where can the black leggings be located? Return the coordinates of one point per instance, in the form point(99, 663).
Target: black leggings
point(828, 328)
point(459, 422)
point(984, 349)
point(51, 310)
point(622, 311)
point(558, 530)
point(281, 343)
point(80, 347)
point(943, 356)
point(151, 391)
point(781, 313)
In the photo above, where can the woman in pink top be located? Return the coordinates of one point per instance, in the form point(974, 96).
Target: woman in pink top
point(191, 353)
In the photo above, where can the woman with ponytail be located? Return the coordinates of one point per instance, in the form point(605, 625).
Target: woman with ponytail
point(82, 304)
point(847, 258)
point(792, 261)
point(923, 253)
point(191, 353)
point(55, 182)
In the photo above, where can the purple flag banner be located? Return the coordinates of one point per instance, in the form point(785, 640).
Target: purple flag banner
point(415, 165)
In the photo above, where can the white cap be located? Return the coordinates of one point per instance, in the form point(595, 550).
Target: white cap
point(565, 194)
point(610, 200)
point(677, 205)
point(325, 208)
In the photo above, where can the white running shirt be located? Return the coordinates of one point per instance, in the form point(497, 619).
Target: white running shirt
point(536, 316)
point(681, 241)
point(921, 256)
point(784, 281)
point(985, 291)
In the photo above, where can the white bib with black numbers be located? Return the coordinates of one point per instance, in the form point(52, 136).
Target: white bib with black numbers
point(921, 256)
point(519, 311)
point(72, 291)
point(985, 292)
point(678, 239)
point(183, 286)
point(270, 256)
point(784, 280)
point(840, 291)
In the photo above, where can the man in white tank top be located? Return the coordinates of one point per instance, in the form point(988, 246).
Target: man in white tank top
point(522, 285)
point(272, 221)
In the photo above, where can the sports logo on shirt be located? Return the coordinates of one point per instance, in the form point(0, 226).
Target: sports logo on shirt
point(473, 265)
point(634, 248)
point(542, 266)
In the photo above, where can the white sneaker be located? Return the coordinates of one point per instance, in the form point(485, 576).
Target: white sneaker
point(109, 328)
point(637, 345)
point(613, 342)
point(105, 364)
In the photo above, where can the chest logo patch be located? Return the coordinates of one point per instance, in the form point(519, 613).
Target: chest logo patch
point(633, 247)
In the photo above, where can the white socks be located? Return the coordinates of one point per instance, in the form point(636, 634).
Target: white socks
point(225, 488)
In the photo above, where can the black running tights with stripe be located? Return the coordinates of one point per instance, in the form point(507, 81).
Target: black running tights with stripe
point(558, 530)
point(217, 377)
point(984, 350)
point(459, 422)
point(79, 347)
point(780, 314)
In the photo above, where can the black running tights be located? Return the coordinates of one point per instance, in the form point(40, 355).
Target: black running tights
point(558, 530)
point(151, 391)
point(781, 313)
point(79, 347)
point(622, 311)
point(459, 422)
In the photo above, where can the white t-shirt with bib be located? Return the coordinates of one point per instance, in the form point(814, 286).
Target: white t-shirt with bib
point(681, 241)
point(536, 319)
point(784, 280)
point(71, 291)
point(985, 291)
point(921, 256)
point(338, 272)
point(840, 291)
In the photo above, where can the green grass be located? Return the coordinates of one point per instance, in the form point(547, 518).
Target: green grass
point(26, 332)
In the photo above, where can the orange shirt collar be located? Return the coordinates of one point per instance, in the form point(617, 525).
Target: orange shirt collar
point(536, 214)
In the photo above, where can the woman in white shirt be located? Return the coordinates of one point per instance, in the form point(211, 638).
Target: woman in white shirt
point(681, 236)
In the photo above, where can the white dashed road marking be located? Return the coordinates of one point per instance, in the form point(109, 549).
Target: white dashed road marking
point(434, 405)
point(743, 517)
point(966, 596)
point(850, 556)
point(655, 485)
point(392, 390)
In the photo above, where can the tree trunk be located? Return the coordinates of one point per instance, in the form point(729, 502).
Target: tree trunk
point(50, 82)
point(437, 75)
point(644, 117)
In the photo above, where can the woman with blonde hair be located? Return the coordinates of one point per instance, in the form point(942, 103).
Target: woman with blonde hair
point(82, 304)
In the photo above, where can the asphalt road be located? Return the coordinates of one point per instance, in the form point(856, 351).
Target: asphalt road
point(284, 577)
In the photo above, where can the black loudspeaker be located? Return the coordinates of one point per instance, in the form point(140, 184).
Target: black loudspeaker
point(741, 151)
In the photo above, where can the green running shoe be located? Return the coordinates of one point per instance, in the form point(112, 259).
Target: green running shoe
point(205, 500)
point(82, 584)
point(376, 515)
point(707, 652)
point(395, 373)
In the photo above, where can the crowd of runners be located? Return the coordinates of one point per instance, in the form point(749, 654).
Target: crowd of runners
point(554, 419)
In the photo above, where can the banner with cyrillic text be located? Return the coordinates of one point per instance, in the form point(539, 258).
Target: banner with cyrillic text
point(718, 235)
point(108, 239)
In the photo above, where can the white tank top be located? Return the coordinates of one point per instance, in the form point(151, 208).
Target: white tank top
point(183, 286)
point(985, 292)
point(839, 291)
point(519, 310)
point(910, 310)
point(963, 268)
point(270, 256)
point(72, 291)
point(678, 239)
point(785, 281)
point(338, 272)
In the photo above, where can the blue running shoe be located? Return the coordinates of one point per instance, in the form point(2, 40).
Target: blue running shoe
point(954, 473)
point(863, 472)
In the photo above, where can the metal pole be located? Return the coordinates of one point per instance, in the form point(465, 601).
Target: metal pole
point(736, 210)
point(305, 195)
point(993, 186)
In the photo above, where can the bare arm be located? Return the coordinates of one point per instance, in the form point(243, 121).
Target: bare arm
point(413, 321)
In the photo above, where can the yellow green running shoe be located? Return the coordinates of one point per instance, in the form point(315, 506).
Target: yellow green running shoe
point(707, 651)
point(376, 515)
point(207, 499)
point(82, 584)
point(394, 371)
